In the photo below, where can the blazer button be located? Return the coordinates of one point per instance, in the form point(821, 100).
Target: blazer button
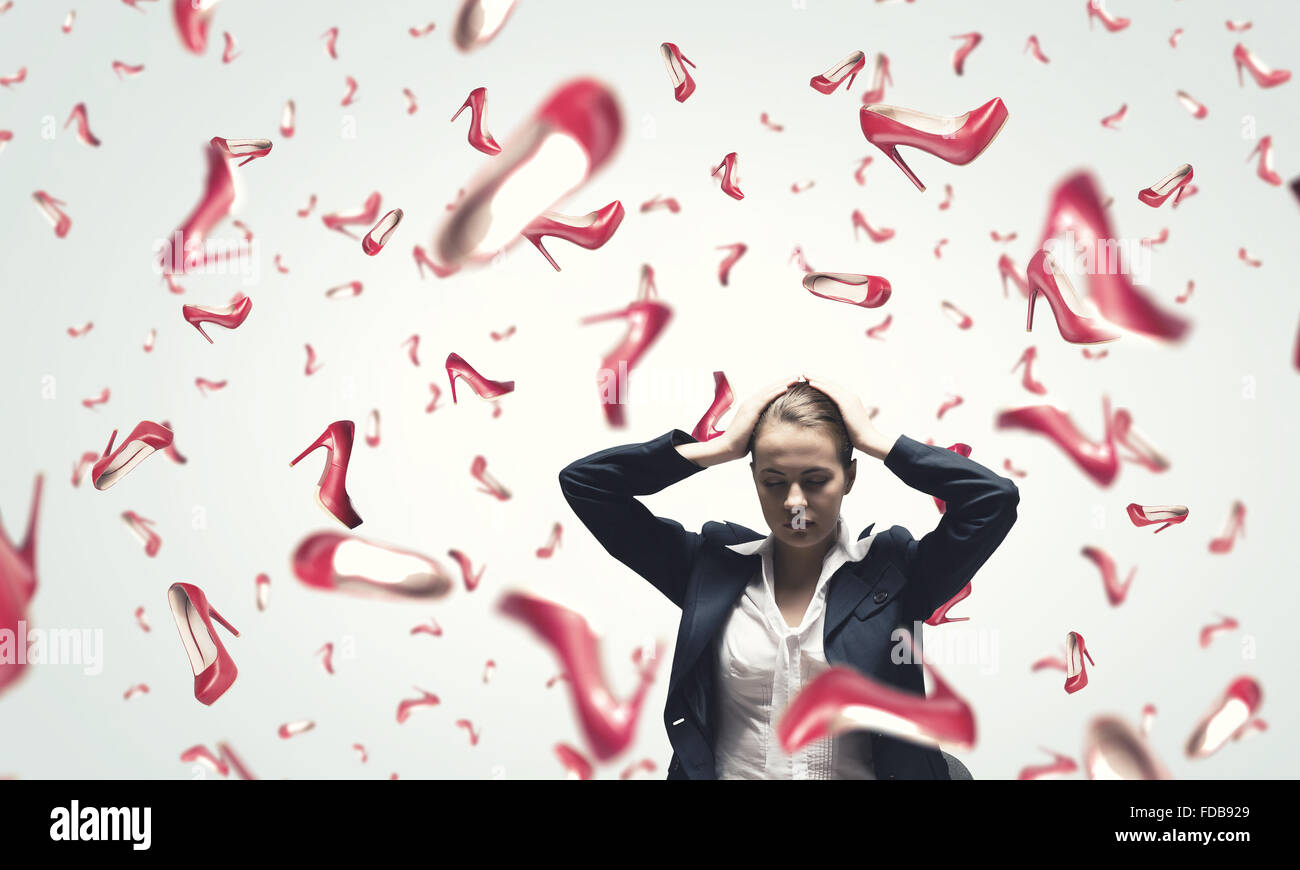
point(880, 596)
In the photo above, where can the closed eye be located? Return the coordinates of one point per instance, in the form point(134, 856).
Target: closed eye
point(772, 483)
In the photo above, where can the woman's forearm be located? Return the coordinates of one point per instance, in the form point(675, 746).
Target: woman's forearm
point(706, 453)
point(878, 444)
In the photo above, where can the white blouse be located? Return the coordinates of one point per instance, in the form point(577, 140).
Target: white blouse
point(763, 663)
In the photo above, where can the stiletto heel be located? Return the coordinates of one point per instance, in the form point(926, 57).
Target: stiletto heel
point(1076, 675)
point(570, 137)
point(331, 488)
point(828, 81)
point(1236, 523)
point(219, 618)
point(645, 320)
point(1096, 459)
point(214, 670)
point(486, 388)
point(144, 439)
point(1043, 276)
point(234, 148)
point(1007, 269)
point(878, 78)
point(1113, 24)
point(956, 139)
point(1264, 77)
point(1027, 380)
point(1264, 169)
point(729, 186)
point(893, 155)
point(683, 84)
point(591, 231)
point(1156, 194)
point(231, 317)
point(878, 289)
point(1169, 514)
point(479, 137)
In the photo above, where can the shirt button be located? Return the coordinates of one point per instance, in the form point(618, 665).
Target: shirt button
point(880, 596)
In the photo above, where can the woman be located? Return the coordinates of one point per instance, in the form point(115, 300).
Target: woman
point(762, 616)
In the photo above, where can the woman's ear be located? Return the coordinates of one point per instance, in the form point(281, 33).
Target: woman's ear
point(850, 476)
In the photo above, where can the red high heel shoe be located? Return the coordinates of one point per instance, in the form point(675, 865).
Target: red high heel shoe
point(608, 724)
point(139, 526)
point(1132, 439)
point(723, 397)
point(1235, 523)
point(192, 22)
point(683, 84)
point(18, 583)
point(1113, 24)
point(1264, 169)
point(957, 139)
point(841, 699)
point(479, 137)
point(1098, 461)
point(1027, 381)
point(728, 183)
point(969, 41)
point(828, 81)
point(231, 317)
point(940, 616)
point(486, 388)
point(381, 232)
point(878, 78)
point(144, 439)
point(1169, 514)
point(1157, 193)
point(336, 562)
point(571, 136)
point(49, 205)
point(724, 268)
point(1043, 276)
point(1113, 750)
point(1076, 675)
point(591, 231)
point(249, 149)
point(214, 670)
point(1007, 269)
point(365, 216)
point(883, 234)
point(331, 489)
point(478, 21)
point(1076, 206)
point(1226, 719)
point(1116, 591)
point(1264, 77)
point(878, 288)
point(645, 320)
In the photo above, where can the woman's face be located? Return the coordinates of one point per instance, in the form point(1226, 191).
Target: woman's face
point(800, 482)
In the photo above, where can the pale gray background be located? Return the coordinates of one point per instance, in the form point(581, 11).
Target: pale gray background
point(1193, 400)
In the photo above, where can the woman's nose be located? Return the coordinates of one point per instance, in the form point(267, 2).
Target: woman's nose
point(795, 498)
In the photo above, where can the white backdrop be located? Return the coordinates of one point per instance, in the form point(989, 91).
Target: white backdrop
point(1216, 404)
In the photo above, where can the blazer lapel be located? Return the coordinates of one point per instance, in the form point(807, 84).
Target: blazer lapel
point(724, 573)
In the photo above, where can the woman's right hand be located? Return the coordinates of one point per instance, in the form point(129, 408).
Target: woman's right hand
point(734, 441)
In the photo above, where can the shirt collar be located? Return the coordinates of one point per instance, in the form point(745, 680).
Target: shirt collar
point(852, 550)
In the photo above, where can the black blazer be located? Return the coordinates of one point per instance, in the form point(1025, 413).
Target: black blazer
point(900, 581)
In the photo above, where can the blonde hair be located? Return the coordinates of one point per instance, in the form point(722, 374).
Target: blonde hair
point(807, 406)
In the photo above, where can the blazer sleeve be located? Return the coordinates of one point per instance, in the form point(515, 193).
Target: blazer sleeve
point(980, 508)
point(602, 489)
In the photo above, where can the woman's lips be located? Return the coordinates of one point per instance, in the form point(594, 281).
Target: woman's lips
point(789, 526)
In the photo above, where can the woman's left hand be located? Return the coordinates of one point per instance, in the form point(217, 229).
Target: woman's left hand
point(862, 432)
